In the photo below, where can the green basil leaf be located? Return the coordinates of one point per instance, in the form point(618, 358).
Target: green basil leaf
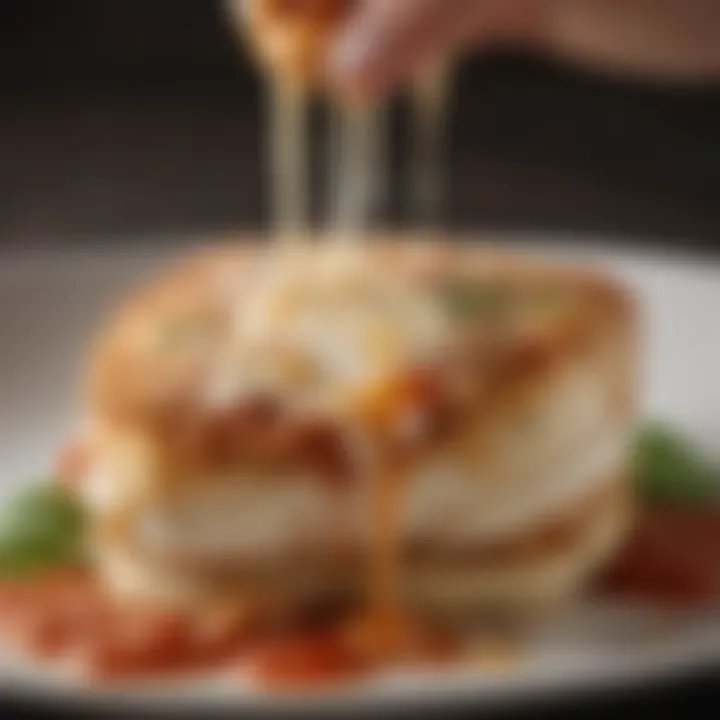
point(41, 528)
point(668, 469)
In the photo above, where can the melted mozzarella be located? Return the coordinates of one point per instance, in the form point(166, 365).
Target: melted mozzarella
point(431, 96)
point(323, 323)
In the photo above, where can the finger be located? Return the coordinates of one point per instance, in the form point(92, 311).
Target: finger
point(382, 45)
point(386, 43)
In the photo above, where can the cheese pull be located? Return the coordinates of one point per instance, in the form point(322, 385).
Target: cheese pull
point(291, 39)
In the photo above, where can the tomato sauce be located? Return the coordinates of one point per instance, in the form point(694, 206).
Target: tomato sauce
point(349, 651)
point(67, 616)
point(672, 558)
point(301, 662)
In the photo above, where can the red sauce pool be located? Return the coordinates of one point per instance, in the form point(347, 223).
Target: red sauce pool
point(672, 558)
point(67, 616)
point(349, 651)
point(306, 661)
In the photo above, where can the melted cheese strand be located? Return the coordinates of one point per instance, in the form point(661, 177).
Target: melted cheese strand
point(289, 161)
point(430, 98)
point(358, 161)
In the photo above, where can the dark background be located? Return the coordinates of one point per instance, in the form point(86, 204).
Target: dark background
point(141, 116)
point(121, 116)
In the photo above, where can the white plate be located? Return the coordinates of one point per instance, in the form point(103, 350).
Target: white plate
point(49, 305)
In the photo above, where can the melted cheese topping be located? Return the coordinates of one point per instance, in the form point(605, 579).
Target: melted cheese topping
point(324, 329)
point(322, 326)
point(432, 92)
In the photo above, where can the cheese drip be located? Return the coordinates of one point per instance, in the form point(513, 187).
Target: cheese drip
point(289, 158)
point(431, 94)
point(358, 172)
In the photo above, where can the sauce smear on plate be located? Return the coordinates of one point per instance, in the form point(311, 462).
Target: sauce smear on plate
point(671, 558)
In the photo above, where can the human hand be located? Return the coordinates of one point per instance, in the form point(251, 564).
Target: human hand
point(384, 42)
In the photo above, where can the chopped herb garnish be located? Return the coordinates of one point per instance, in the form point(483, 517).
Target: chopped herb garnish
point(472, 300)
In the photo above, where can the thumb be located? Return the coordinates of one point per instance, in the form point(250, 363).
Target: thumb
point(383, 43)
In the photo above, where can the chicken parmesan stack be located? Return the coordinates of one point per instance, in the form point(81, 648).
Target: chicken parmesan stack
point(287, 425)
